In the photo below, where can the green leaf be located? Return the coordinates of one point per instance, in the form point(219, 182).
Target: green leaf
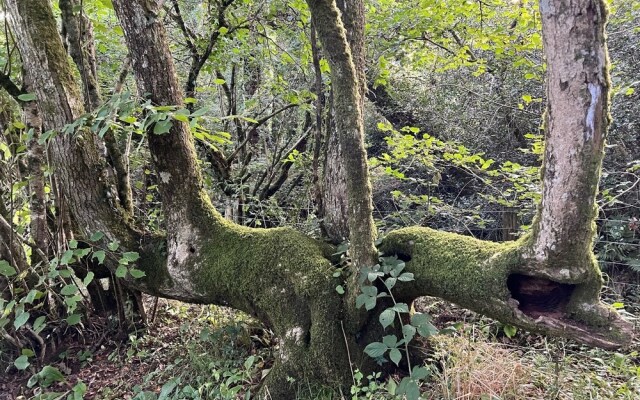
point(87, 279)
point(408, 332)
point(69, 290)
point(96, 236)
point(361, 299)
point(199, 112)
point(419, 372)
point(395, 356)
point(340, 289)
point(6, 151)
point(427, 330)
point(73, 244)
point(113, 246)
point(131, 256)
point(49, 375)
point(409, 388)
point(27, 97)
point(376, 349)
point(22, 363)
point(369, 290)
point(129, 119)
point(27, 352)
point(162, 127)
point(38, 324)
point(66, 257)
point(74, 319)
point(390, 282)
point(390, 341)
point(370, 304)
point(401, 307)
point(136, 273)
point(510, 330)
point(181, 118)
point(31, 296)
point(99, 255)
point(386, 317)
point(167, 389)
point(406, 277)
point(418, 319)
point(21, 319)
point(249, 362)
point(6, 269)
point(219, 81)
point(121, 271)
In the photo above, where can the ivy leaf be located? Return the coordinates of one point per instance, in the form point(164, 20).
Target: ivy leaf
point(121, 271)
point(87, 279)
point(387, 317)
point(69, 290)
point(74, 319)
point(131, 256)
point(49, 375)
point(22, 363)
point(66, 257)
point(96, 236)
point(136, 273)
point(6, 269)
point(99, 255)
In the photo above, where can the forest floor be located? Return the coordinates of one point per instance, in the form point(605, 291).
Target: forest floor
point(191, 352)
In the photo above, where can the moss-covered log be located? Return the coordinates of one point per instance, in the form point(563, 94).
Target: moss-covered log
point(498, 280)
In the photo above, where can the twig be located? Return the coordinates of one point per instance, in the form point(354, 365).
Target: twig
point(346, 344)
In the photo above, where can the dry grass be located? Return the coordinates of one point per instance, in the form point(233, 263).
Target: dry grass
point(480, 370)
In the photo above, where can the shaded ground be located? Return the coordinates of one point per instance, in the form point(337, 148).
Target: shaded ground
point(207, 352)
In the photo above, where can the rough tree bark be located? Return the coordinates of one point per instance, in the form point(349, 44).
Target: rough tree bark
point(347, 159)
point(343, 42)
point(284, 278)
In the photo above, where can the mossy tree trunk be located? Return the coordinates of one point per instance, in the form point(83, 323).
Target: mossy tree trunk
point(284, 278)
point(347, 197)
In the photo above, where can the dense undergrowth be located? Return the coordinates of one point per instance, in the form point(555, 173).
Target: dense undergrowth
point(206, 352)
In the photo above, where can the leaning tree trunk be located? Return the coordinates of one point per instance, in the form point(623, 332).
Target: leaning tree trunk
point(80, 43)
point(549, 280)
